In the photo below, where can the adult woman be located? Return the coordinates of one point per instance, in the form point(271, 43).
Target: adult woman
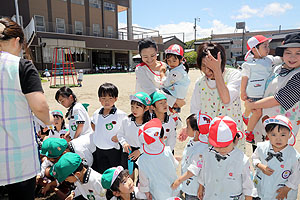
point(217, 89)
point(21, 94)
point(148, 72)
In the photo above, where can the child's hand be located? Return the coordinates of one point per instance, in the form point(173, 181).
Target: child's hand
point(265, 169)
point(282, 192)
point(180, 102)
point(148, 195)
point(182, 135)
point(200, 192)
point(175, 185)
point(70, 197)
point(126, 147)
point(244, 95)
point(115, 139)
point(178, 158)
point(134, 155)
point(46, 188)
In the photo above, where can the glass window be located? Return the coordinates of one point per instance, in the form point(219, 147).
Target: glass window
point(78, 28)
point(79, 2)
point(39, 23)
point(96, 29)
point(109, 6)
point(60, 25)
point(95, 3)
point(110, 31)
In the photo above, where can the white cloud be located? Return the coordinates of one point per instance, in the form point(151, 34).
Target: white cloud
point(272, 9)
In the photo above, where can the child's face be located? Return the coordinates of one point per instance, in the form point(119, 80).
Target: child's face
point(65, 101)
point(263, 49)
point(225, 150)
point(173, 61)
point(279, 138)
point(291, 57)
point(71, 179)
point(161, 106)
point(149, 56)
point(137, 111)
point(189, 130)
point(57, 121)
point(107, 101)
point(53, 160)
point(126, 186)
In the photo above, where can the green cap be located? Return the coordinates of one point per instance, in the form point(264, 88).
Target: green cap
point(66, 165)
point(54, 147)
point(110, 175)
point(156, 96)
point(141, 97)
point(57, 112)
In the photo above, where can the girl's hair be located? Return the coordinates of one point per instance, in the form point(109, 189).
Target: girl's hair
point(179, 57)
point(66, 92)
point(214, 49)
point(116, 184)
point(146, 43)
point(270, 127)
point(13, 30)
point(63, 124)
point(193, 122)
point(146, 115)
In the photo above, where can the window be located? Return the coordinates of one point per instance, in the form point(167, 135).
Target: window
point(96, 29)
point(79, 2)
point(78, 28)
point(110, 31)
point(109, 6)
point(60, 25)
point(95, 3)
point(39, 23)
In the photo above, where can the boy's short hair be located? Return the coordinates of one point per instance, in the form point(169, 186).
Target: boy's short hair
point(270, 127)
point(108, 89)
point(193, 122)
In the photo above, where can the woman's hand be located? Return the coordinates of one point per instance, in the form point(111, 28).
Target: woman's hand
point(180, 102)
point(212, 63)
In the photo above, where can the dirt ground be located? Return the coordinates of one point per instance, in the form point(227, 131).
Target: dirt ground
point(126, 85)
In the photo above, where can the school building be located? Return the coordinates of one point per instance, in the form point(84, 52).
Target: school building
point(88, 27)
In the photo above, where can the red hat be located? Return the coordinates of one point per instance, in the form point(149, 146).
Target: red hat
point(254, 41)
point(284, 121)
point(175, 49)
point(149, 136)
point(222, 131)
point(203, 122)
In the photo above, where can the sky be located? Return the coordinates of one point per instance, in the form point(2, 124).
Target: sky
point(218, 16)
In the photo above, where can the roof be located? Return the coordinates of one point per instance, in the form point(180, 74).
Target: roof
point(281, 36)
point(218, 41)
point(167, 39)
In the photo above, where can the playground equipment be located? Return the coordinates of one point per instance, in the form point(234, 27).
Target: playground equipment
point(63, 71)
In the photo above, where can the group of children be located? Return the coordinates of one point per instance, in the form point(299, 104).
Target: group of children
point(100, 155)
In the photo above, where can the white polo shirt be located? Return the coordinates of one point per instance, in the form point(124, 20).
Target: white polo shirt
point(128, 132)
point(106, 127)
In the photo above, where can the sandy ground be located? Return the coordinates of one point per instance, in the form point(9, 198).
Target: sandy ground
point(126, 85)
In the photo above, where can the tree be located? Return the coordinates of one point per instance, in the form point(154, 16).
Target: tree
point(191, 58)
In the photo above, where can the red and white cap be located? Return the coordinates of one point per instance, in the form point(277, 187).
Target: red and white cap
point(284, 121)
point(149, 136)
point(203, 122)
point(254, 41)
point(175, 49)
point(222, 131)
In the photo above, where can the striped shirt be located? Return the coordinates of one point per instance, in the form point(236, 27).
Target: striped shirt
point(289, 95)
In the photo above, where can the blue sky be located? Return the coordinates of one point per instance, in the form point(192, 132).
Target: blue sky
point(174, 16)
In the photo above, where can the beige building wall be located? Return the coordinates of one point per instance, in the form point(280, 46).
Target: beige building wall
point(39, 7)
point(78, 14)
point(110, 19)
point(95, 16)
point(59, 10)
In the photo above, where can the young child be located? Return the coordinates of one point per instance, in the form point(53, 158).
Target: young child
point(106, 123)
point(176, 81)
point(255, 72)
point(159, 106)
point(197, 129)
point(119, 185)
point(79, 120)
point(128, 134)
point(87, 181)
point(275, 160)
point(47, 74)
point(80, 77)
point(225, 172)
point(157, 165)
point(59, 125)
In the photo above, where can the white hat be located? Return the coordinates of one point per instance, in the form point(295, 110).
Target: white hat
point(149, 136)
point(203, 122)
point(254, 41)
point(222, 131)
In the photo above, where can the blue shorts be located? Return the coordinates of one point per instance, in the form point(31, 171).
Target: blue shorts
point(254, 99)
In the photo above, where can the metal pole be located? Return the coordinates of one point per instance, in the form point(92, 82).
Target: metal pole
point(195, 27)
point(243, 41)
point(17, 12)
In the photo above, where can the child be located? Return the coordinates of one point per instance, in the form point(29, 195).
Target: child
point(59, 125)
point(47, 74)
point(225, 172)
point(255, 72)
point(80, 77)
point(157, 165)
point(128, 134)
point(106, 123)
point(197, 129)
point(177, 81)
point(119, 185)
point(159, 106)
point(282, 93)
point(79, 120)
point(275, 161)
point(87, 181)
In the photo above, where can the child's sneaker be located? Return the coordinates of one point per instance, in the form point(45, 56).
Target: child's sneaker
point(250, 137)
point(245, 119)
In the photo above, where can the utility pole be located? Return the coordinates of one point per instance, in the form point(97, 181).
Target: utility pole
point(17, 12)
point(195, 26)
